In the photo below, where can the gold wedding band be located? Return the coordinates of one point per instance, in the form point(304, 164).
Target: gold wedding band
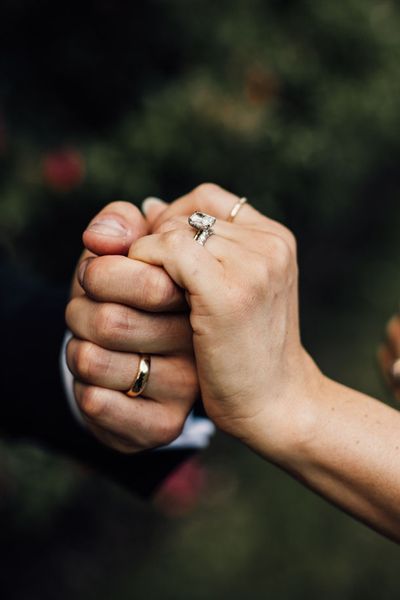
point(142, 376)
point(236, 209)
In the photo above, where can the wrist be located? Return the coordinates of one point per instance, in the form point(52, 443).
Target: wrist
point(285, 428)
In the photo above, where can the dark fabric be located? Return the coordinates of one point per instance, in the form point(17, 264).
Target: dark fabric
point(33, 404)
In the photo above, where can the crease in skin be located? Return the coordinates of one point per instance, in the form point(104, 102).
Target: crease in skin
point(172, 377)
point(123, 328)
point(131, 282)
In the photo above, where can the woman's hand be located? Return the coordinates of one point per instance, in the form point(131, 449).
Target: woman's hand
point(257, 381)
point(254, 374)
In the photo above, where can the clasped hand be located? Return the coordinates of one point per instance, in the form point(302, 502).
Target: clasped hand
point(220, 320)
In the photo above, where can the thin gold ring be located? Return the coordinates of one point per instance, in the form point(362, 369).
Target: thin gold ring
point(236, 209)
point(141, 378)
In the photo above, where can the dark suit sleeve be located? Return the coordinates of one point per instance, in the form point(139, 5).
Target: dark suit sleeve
point(32, 400)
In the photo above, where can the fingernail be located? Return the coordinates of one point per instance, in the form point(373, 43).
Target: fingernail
point(82, 270)
point(108, 226)
point(149, 202)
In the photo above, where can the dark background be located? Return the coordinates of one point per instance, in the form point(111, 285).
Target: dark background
point(291, 103)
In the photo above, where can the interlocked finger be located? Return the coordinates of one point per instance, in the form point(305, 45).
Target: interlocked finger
point(125, 329)
point(139, 423)
point(171, 378)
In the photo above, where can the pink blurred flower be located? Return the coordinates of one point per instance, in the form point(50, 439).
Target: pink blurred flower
point(63, 170)
point(181, 491)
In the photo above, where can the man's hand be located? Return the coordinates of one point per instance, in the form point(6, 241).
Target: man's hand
point(119, 309)
point(389, 355)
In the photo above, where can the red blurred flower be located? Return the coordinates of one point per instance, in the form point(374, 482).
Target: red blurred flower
point(181, 491)
point(63, 170)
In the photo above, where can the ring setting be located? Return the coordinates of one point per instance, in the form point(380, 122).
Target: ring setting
point(203, 224)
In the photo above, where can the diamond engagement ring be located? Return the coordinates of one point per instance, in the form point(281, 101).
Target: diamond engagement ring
point(203, 223)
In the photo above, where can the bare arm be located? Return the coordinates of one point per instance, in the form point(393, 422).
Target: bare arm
point(346, 447)
point(257, 381)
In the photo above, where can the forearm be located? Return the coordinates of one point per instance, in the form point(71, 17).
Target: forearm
point(347, 448)
point(257, 382)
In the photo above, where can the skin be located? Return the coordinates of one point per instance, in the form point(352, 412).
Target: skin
point(122, 308)
point(257, 381)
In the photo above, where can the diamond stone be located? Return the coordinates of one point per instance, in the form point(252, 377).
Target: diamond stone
point(200, 221)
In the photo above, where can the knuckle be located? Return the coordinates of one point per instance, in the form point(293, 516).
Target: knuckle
point(87, 361)
point(288, 236)
point(91, 276)
point(291, 240)
point(280, 231)
point(97, 274)
point(160, 290)
point(280, 257)
point(169, 428)
point(173, 239)
point(206, 189)
point(104, 321)
point(112, 323)
point(69, 313)
point(169, 225)
point(279, 248)
point(92, 402)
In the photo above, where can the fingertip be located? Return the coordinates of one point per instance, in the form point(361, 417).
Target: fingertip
point(77, 289)
point(82, 270)
point(152, 208)
point(114, 229)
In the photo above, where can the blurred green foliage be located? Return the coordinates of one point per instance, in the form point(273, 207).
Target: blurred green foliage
point(293, 104)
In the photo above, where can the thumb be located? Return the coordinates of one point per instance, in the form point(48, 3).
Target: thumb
point(152, 209)
point(114, 229)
